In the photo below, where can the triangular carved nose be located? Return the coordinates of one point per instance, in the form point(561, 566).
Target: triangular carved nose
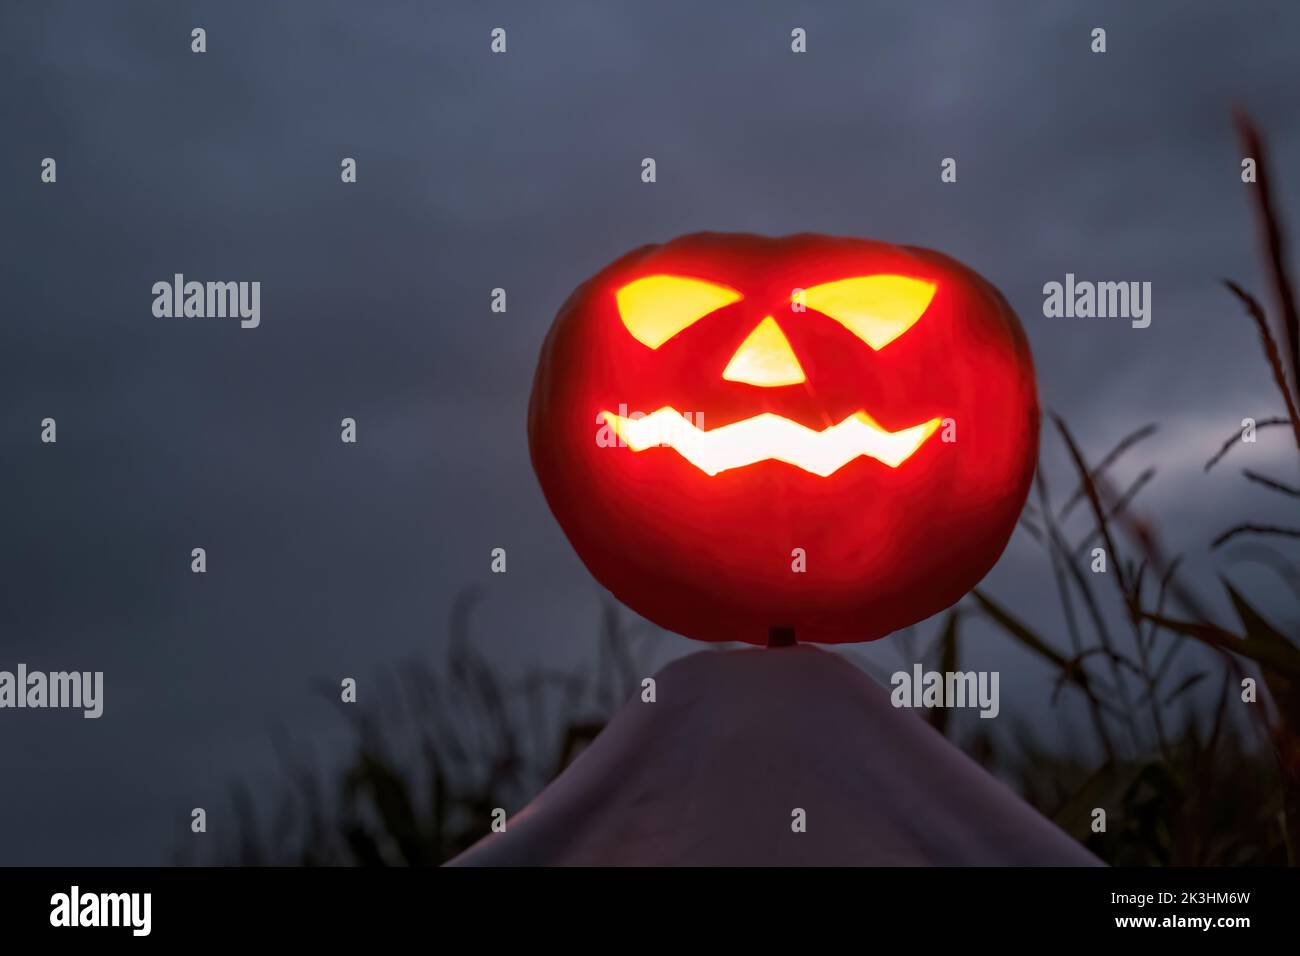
point(765, 358)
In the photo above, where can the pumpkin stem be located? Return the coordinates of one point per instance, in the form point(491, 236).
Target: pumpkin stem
point(781, 637)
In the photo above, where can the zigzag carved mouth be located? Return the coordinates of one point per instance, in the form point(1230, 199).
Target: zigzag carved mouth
point(771, 437)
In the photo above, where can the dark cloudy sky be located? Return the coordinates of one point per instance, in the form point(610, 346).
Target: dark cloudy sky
point(521, 171)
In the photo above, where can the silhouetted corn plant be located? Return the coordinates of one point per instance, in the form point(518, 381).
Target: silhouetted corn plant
point(435, 759)
point(1187, 798)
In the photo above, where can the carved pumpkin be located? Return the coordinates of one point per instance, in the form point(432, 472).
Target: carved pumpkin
point(744, 436)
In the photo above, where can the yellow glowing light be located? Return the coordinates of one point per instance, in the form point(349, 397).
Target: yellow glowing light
point(769, 436)
point(656, 308)
point(765, 358)
point(877, 309)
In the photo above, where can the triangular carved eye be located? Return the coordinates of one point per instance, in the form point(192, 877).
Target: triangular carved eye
point(655, 308)
point(877, 309)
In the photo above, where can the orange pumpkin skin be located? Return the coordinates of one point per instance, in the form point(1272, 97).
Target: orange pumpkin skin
point(715, 556)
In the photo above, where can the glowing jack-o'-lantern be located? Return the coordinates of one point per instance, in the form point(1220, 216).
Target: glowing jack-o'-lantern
point(744, 436)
